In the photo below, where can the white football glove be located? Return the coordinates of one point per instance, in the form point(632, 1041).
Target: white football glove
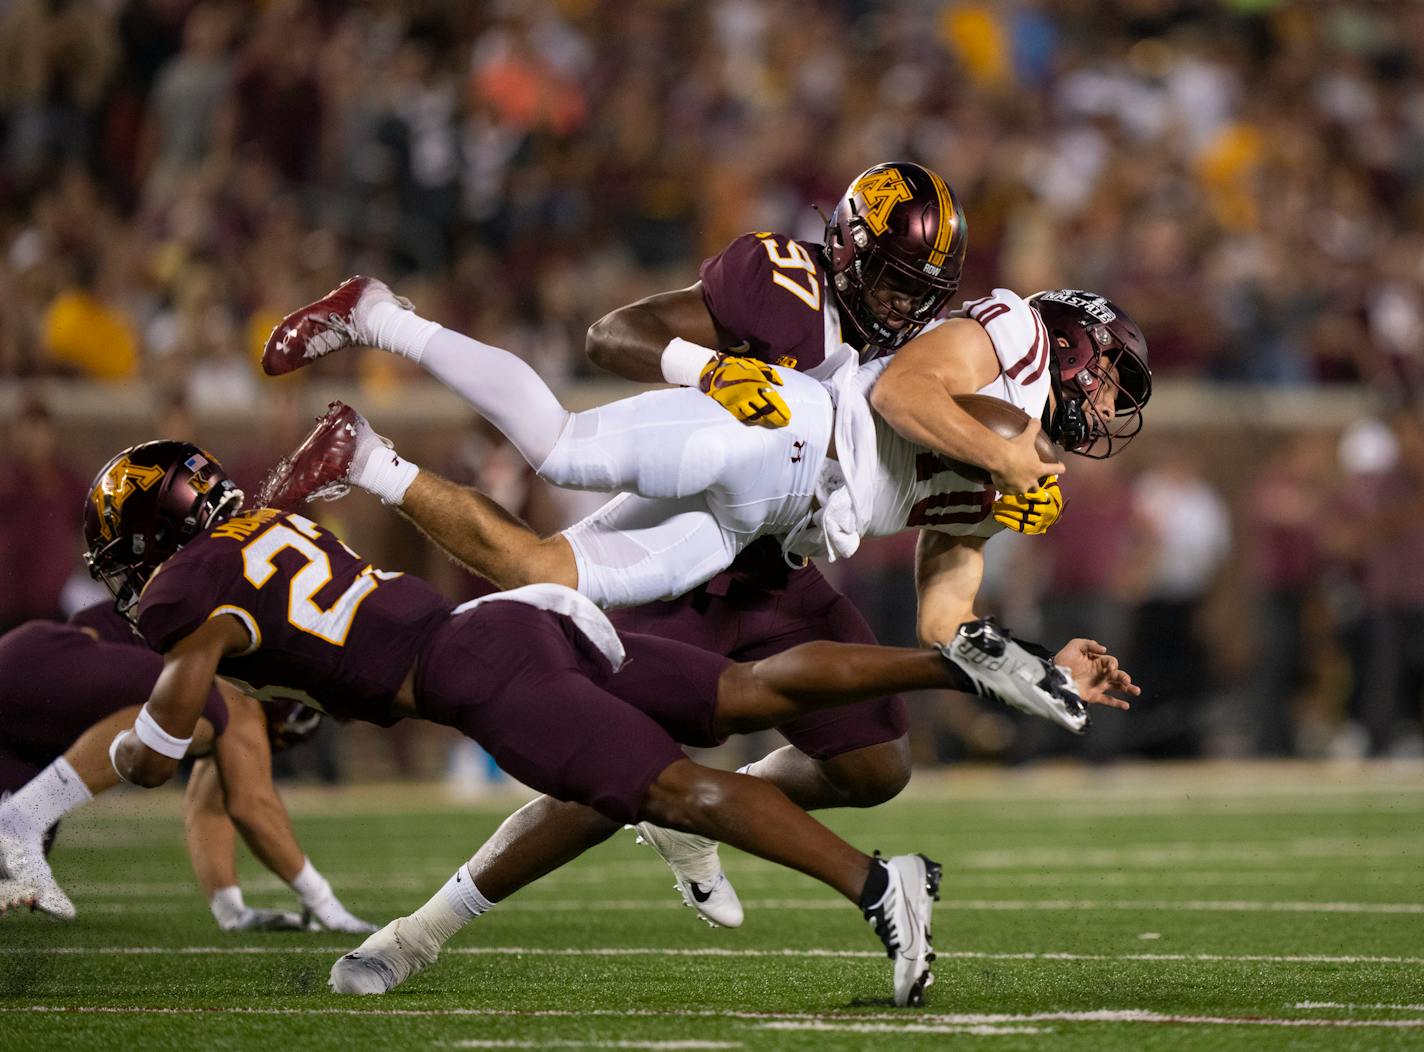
point(1005, 669)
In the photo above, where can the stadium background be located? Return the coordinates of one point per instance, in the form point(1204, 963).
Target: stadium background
point(1244, 177)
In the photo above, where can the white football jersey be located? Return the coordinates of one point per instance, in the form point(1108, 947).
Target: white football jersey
point(913, 487)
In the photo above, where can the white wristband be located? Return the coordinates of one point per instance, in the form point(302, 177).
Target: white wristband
point(114, 754)
point(683, 361)
point(311, 887)
point(157, 739)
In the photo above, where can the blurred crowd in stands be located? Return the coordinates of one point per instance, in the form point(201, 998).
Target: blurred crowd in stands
point(1246, 176)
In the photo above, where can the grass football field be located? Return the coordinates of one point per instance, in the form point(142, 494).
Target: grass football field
point(1213, 907)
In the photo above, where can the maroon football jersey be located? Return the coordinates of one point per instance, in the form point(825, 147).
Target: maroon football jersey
point(769, 292)
point(57, 681)
point(327, 628)
point(288, 722)
point(108, 624)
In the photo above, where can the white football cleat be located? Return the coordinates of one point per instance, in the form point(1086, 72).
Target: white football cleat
point(386, 959)
point(902, 920)
point(700, 880)
point(1005, 669)
point(24, 863)
point(16, 894)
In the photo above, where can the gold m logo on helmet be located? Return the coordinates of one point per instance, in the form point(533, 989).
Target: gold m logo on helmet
point(881, 191)
point(118, 483)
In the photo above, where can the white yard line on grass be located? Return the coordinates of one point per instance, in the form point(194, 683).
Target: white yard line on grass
point(908, 1021)
point(1358, 1007)
point(1405, 848)
point(536, 905)
point(483, 1043)
point(971, 1030)
point(1106, 1015)
point(714, 951)
point(139, 889)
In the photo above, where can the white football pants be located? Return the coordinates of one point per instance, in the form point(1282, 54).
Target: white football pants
point(697, 484)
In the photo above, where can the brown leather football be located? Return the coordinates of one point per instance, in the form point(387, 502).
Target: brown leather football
point(1006, 421)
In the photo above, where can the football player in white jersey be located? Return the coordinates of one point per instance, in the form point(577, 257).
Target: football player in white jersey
point(698, 487)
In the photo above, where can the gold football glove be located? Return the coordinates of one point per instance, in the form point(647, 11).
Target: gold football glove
point(746, 388)
point(1032, 512)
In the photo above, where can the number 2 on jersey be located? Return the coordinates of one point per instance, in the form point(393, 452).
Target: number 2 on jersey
point(331, 624)
point(805, 286)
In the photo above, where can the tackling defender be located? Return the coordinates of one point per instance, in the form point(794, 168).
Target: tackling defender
point(702, 489)
point(68, 689)
point(538, 677)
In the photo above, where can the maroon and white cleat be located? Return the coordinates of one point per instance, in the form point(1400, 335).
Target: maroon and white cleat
point(320, 469)
point(335, 321)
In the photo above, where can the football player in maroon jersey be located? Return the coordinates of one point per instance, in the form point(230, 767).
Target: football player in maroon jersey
point(538, 677)
point(890, 261)
point(67, 690)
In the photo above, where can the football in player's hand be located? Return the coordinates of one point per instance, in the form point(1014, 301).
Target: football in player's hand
point(1006, 421)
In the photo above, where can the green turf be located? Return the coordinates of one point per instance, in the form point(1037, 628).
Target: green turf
point(1105, 874)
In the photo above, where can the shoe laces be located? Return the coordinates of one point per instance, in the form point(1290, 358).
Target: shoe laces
point(342, 323)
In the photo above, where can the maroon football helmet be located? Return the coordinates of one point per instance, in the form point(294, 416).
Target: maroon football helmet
point(1093, 342)
point(145, 504)
point(895, 247)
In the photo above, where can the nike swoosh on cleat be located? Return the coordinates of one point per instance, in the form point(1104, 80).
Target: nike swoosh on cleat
point(697, 892)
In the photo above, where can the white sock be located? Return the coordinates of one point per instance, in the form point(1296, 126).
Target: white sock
point(453, 906)
point(384, 472)
point(44, 800)
point(393, 328)
point(747, 769)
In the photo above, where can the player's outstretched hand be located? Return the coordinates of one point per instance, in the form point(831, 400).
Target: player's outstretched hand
point(746, 388)
point(1096, 673)
point(1024, 468)
point(331, 915)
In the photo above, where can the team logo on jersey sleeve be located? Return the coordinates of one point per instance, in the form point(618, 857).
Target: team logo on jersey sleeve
point(122, 481)
point(881, 190)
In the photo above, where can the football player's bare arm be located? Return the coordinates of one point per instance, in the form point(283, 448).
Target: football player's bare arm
point(953, 359)
point(89, 755)
point(758, 695)
point(210, 836)
point(948, 573)
point(178, 697)
point(244, 762)
point(630, 341)
point(475, 531)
